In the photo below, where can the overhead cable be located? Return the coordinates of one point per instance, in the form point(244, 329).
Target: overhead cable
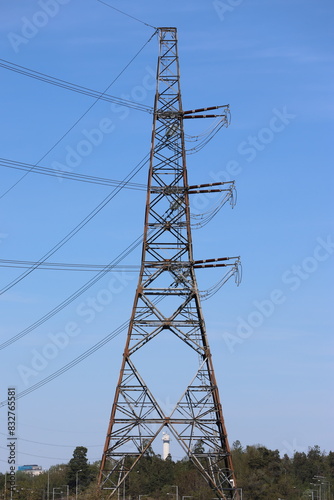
point(79, 226)
point(102, 96)
point(77, 360)
point(72, 363)
point(53, 444)
point(223, 122)
point(235, 270)
point(35, 169)
point(80, 117)
point(63, 266)
point(74, 295)
point(128, 15)
point(200, 220)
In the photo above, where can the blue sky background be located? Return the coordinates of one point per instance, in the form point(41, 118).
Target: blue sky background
point(271, 337)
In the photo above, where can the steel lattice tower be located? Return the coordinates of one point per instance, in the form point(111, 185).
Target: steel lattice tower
point(167, 301)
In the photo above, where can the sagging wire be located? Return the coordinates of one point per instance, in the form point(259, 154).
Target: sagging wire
point(170, 140)
point(64, 266)
point(206, 132)
point(128, 15)
point(72, 363)
point(62, 174)
point(115, 262)
point(74, 295)
point(79, 226)
point(75, 361)
point(173, 129)
point(202, 219)
point(235, 270)
point(80, 89)
point(223, 121)
point(63, 83)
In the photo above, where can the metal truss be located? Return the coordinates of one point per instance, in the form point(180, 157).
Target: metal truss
point(167, 301)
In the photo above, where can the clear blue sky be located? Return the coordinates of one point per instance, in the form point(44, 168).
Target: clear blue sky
point(271, 337)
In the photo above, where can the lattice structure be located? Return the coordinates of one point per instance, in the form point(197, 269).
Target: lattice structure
point(167, 302)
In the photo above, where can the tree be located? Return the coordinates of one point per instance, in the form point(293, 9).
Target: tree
point(260, 472)
point(198, 448)
point(79, 470)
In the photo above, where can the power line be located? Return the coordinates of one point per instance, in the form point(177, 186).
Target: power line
point(78, 359)
point(78, 227)
point(73, 296)
point(63, 266)
point(80, 117)
point(37, 456)
point(73, 87)
point(128, 15)
point(72, 363)
point(52, 444)
point(36, 169)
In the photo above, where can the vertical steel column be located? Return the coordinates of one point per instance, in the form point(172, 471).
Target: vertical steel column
point(167, 283)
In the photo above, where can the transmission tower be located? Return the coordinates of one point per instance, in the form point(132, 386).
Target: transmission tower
point(167, 302)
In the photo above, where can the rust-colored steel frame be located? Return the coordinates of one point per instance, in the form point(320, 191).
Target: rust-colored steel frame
point(167, 273)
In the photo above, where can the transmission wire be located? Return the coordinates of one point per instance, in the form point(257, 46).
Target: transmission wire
point(128, 15)
point(76, 360)
point(73, 296)
point(76, 294)
point(81, 117)
point(64, 266)
point(37, 75)
point(52, 444)
point(36, 169)
point(72, 363)
point(79, 226)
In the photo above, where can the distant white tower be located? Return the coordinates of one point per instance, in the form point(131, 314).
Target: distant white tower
point(165, 446)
